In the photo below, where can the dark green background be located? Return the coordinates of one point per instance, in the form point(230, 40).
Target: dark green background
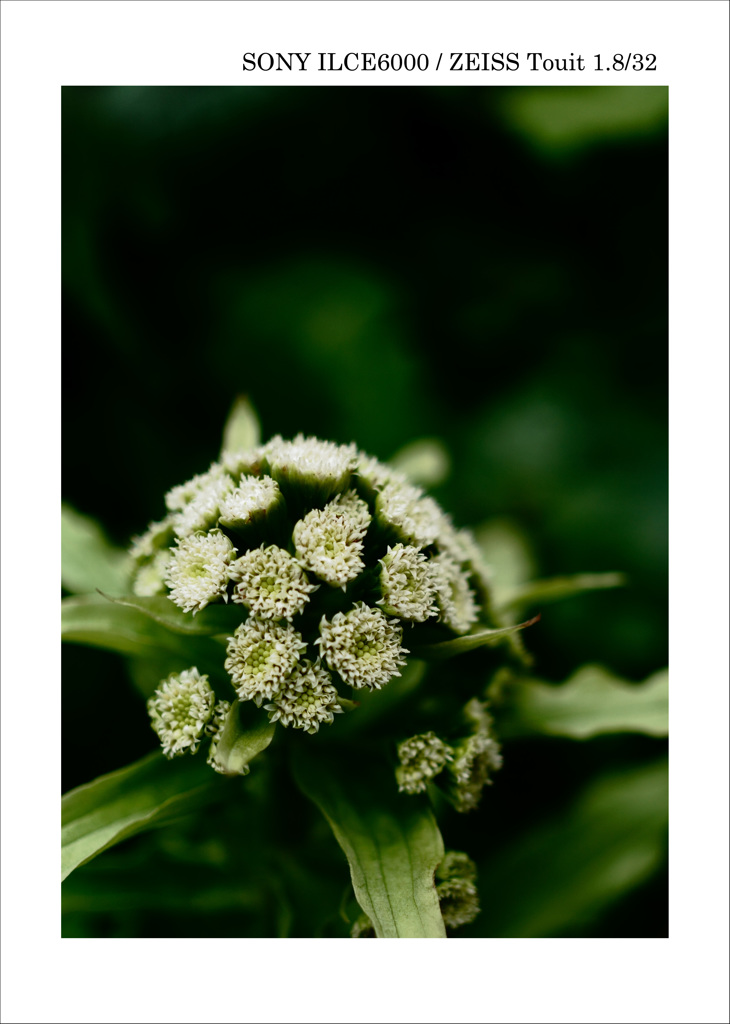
point(483, 265)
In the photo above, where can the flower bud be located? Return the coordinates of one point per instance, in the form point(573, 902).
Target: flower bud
point(422, 758)
point(456, 889)
point(307, 700)
point(180, 709)
point(363, 646)
point(270, 583)
point(199, 570)
point(261, 658)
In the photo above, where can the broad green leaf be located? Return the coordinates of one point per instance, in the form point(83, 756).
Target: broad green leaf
point(146, 794)
point(593, 701)
point(556, 878)
point(242, 429)
point(425, 462)
point(564, 120)
point(391, 841)
point(146, 673)
point(470, 642)
point(246, 733)
point(215, 620)
point(556, 589)
point(88, 559)
point(95, 621)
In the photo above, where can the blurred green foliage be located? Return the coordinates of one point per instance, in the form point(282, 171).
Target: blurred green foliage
point(481, 266)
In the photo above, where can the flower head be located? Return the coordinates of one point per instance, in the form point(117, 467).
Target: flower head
point(408, 584)
point(363, 646)
point(270, 583)
point(413, 516)
point(307, 700)
point(329, 541)
point(476, 757)
point(421, 758)
point(319, 469)
point(180, 709)
point(199, 569)
point(457, 604)
point(251, 501)
point(456, 889)
point(203, 509)
point(462, 547)
point(248, 463)
point(261, 658)
point(375, 474)
point(156, 537)
point(150, 577)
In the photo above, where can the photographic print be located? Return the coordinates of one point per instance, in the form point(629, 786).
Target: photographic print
point(364, 532)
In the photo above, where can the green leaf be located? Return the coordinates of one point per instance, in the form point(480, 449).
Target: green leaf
point(557, 589)
point(559, 876)
point(391, 841)
point(593, 701)
point(88, 559)
point(215, 620)
point(470, 642)
point(245, 734)
point(425, 462)
point(564, 120)
point(147, 794)
point(96, 622)
point(242, 429)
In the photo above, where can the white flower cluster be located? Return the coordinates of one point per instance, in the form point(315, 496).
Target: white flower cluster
point(261, 657)
point(456, 889)
point(476, 757)
point(199, 570)
point(307, 700)
point(329, 542)
point(421, 758)
point(329, 555)
point(363, 646)
point(409, 582)
point(252, 499)
point(270, 583)
point(180, 710)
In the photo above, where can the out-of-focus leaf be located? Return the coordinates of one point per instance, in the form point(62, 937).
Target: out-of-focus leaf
point(95, 621)
point(149, 671)
point(242, 429)
point(425, 462)
point(564, 120)
point(215, 620)
point(88, 559)
point(146, 794)
point(558, 877)
point(557, 589)
point(593, 701)
point(245, 734)
point(391, 841)
point(485, 637)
